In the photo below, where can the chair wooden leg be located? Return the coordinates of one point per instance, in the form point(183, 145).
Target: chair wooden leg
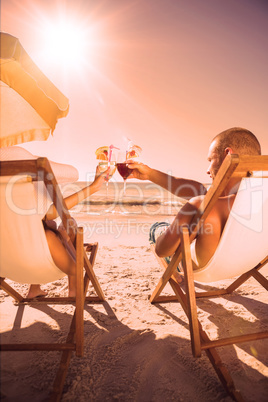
point(198, 335)
point(190, 292)
point(10, 291)
point(221, 371)
point(75, 327)
point(93, 254)
point(166, 275)
point(76, 332)
point(214, 357)
point(253, 272)
point(88, 264)
point(238, 282)
point(260, 278)
point(59, 380)
point(63, 366)
point(80, 296)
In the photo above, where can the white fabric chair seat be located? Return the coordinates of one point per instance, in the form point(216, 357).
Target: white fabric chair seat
point(25, 256)
point(246, 230)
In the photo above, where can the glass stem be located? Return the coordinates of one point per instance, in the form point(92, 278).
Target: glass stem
point(107, 184)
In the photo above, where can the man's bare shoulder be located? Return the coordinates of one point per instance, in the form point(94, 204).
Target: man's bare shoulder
point(196, 201)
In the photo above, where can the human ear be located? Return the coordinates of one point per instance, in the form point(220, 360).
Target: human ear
point(228, 151)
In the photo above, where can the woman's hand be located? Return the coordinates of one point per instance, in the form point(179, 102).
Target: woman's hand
point(100, 178)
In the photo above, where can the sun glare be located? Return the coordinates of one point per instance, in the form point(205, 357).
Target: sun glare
point(65, 43)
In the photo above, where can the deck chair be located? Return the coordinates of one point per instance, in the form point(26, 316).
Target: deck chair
point(27, 188)
point(241, 253)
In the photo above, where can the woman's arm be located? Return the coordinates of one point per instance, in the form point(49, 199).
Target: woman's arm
point(80, 195)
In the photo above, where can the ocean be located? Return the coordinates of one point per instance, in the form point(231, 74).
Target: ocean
point(140, 198)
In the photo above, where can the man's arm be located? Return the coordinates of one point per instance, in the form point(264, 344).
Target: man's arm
point(168, 242)
point(184, 188)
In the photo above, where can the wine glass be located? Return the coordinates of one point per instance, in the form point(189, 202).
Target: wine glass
point(103, 165)
point(122, 167)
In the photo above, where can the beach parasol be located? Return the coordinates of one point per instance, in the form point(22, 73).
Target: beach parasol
point(30, 104)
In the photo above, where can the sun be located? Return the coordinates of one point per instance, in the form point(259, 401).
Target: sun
point(65, 43)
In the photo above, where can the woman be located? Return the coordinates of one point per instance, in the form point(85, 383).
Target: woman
point(57, 238)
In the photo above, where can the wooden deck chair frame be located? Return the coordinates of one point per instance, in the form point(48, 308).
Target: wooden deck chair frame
point(233, 166)
point(40, 169)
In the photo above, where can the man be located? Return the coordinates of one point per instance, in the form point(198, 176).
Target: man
point(232, 141)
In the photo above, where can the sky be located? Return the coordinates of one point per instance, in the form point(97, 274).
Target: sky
point(167, 74)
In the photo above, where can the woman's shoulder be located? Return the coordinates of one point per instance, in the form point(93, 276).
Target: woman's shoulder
point(15, 153)
point(64, 173)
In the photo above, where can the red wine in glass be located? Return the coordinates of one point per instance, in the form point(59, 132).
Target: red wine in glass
point(124, 171)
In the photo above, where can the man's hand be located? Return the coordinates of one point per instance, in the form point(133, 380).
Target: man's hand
point(139, 171)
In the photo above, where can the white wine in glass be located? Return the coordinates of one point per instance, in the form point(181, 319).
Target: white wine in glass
point(103, 165)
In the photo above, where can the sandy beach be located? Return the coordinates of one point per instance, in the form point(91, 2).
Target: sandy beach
point(134, 351)
point(180, 88)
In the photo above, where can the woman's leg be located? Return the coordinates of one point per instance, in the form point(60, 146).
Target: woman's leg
point(62, 259)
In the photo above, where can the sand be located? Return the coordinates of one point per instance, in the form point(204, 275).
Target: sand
point(134, 351)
